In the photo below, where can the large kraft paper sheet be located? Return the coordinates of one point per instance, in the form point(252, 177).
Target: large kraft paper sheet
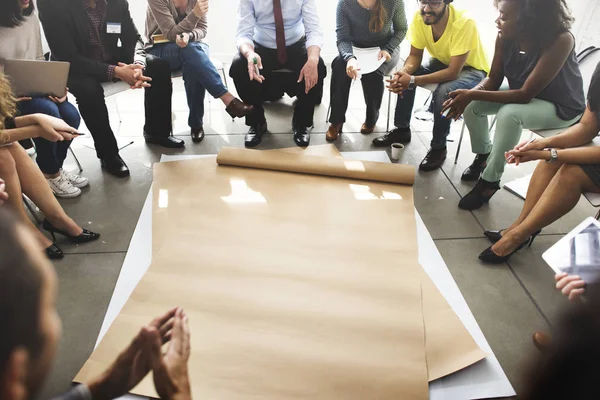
point(287, 281)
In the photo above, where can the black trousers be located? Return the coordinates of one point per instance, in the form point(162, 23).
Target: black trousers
point(373, 88)
point(255, 93)
point(92, 106)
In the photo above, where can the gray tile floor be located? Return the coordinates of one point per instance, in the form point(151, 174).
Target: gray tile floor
point(509, 301)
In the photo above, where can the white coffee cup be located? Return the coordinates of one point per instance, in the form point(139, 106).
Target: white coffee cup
point(397, 149)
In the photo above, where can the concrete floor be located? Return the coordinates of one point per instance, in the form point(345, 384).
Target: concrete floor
point(509, 301)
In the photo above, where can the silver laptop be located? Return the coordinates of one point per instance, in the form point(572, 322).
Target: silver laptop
point(37, 78)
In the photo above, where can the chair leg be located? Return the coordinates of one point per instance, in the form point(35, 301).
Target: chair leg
point(387, 128)
point(328, 113)
point(76, 159)
point(598, 215)
point(31, 210)
point(460, 139)
point(224, 78)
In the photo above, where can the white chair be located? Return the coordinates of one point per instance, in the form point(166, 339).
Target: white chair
point(588, 60)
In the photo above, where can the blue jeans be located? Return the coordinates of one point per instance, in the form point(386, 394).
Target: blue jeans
point(199, 74)
point(467, 79)
point(51, 155)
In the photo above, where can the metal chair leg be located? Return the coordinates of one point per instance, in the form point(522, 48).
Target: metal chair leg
point(387, 128)
point(31, 210)
point(328, 113)
point(224, 78)
point(76, 159)
point(598, 215)
point(462, 132)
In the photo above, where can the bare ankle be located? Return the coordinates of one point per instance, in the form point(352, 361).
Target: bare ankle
point(226, 98)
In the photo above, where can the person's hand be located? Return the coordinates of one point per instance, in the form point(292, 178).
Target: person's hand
point(183, 40)
point(170, 369)
point(60, 100)
point(134, 363)
point(518, 156)
point(54, 129)
point(309, 74)
point(571, 286)
point(3, 194)
point(352, 68)
point(20, 99)
point(399, 83)
point(201, 8)
point(131, 74)
point(458, 101)
point(384, 54)
point(254, 69)
point(531, 145)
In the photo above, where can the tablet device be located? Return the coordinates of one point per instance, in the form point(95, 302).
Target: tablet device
point(30, 78)
point(578, 252)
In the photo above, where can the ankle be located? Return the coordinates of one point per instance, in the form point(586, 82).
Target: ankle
point(227, 98)
point(52, 176)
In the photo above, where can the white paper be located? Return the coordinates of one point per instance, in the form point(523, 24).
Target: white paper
point(368, 59)
point(485, 379)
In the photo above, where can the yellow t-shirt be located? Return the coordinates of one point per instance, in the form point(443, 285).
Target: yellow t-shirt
point(460, 36)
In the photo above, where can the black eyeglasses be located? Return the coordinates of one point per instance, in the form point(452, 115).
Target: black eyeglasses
point(430, 3)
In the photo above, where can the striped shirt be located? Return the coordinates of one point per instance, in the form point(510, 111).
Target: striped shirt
point(97, 23)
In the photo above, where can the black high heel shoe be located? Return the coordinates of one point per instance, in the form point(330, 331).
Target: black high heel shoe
point(475, 198)
point(488, 255)
point(495, 236)
point(84, 237)
point(53, 252)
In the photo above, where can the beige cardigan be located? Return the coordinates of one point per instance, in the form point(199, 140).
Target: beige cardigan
point(162, 18)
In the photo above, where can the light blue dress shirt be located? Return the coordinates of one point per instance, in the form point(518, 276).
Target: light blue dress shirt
point(257, 23)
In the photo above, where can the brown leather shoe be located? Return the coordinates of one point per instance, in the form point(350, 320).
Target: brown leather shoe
point(364, 129)
point(197, 135)
point(238, 108)
point(542, 341)
point(333, 132)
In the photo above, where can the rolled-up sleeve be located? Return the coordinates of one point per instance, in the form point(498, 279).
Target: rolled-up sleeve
point(246, 23)
point(312, 27)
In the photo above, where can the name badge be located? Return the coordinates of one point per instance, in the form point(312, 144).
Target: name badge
point(113, 27)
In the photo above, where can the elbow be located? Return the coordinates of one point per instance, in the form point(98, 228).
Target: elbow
point(524, 97)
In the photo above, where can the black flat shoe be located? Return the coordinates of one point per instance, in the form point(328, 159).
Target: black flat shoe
point(396, 135)
point(53, 252)
point(473, 171)
point(84, 237)
point(495, 236)
point(475, 198)
point(170, 142)
point(254, 135)
point(115, 166)
point(301, 136)
point(488, 256)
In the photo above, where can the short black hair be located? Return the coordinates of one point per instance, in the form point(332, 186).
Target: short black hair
point(20, 294)
point(542, 20)
point(11, 13)
point(594, 92)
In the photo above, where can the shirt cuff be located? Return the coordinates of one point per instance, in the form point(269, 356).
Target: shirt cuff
point(110, 72)
point(314, 41)
point(244, 40)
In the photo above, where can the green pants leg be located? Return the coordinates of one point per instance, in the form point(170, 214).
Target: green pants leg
point(511, 119)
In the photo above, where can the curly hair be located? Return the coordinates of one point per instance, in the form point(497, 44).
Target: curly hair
point(542, 20)
point(8, 103)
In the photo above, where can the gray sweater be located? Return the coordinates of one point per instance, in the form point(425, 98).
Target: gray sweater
point(23, 42)
point(353, 27)
point(162, 18)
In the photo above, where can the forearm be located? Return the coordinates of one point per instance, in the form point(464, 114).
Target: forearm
point(501, 96)
point(574, 136)
point(445, 75)
point(412, 64)
point(14, 135)
point(26, 120)
point(314, 53)
point(579, 155)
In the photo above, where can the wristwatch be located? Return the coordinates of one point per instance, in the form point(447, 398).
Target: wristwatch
point(411, 85)
point(553, 156)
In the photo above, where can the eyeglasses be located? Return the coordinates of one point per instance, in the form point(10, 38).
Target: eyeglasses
point(430, 3)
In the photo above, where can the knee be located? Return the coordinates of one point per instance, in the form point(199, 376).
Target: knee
point(440, 95)
point(239, 67)
point(157, 68)
point(338, 66)
point(70, 115)
point(44, 106)
point(322, 70)
point(510, 114)
point(569, 173)
point(87, 89)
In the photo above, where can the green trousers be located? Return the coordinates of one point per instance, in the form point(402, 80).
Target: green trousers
point(511, 119)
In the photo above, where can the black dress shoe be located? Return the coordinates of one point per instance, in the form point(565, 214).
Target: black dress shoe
point(170, 141)
point(84, 237)
point(488, 255)
point(115, 166)
point(473, 171)
point(433, 160)
point(254, 135)
point(301, 135)
point(495, 236)
point(53, 252)
point(476, 198)
point(396, 135)
point(197, 134)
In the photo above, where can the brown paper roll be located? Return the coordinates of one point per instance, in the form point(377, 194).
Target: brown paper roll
point(317, 165)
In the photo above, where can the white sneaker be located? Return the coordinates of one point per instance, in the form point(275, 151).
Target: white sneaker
point(62, 188)
point(76, 180)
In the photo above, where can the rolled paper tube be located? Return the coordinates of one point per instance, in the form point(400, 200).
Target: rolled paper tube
point(317, 165)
